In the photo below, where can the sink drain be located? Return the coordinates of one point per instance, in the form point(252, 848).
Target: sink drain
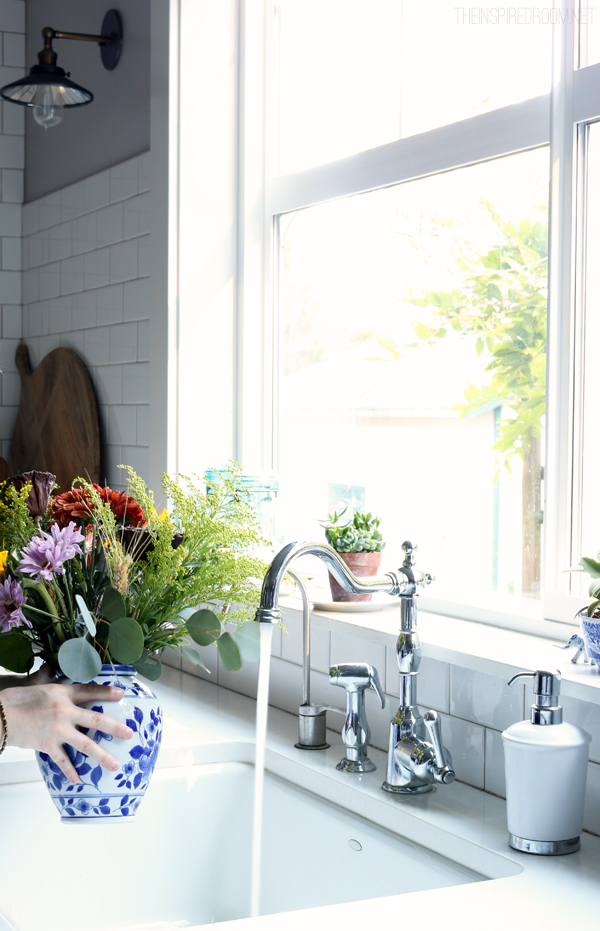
point(354, 844)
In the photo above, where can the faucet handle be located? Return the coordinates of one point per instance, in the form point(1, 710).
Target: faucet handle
point(445, 773)
point(375, 684)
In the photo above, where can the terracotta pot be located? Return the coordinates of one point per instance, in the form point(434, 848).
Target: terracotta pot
point(361, 564)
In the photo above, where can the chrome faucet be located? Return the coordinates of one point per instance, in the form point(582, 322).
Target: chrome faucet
point(356, 678)
point(414, 763)
point(311, 717)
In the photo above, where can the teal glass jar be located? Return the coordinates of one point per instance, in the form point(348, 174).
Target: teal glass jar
point(262, 489)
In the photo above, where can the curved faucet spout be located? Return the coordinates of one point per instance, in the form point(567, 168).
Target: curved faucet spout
point(269, 612)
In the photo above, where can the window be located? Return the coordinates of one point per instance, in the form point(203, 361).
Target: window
point(412, 368)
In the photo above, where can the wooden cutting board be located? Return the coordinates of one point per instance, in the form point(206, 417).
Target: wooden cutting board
point(56, 429)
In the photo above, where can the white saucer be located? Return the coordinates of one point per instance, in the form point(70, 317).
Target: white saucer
point(350, 607)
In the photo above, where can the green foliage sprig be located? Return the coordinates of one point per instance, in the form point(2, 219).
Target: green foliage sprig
point(359, 535)
point(184, 579)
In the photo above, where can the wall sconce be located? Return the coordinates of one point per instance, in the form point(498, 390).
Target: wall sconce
point(48, 89)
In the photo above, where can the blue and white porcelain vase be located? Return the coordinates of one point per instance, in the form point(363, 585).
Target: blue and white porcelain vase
point(100, 793)
point(590, 629)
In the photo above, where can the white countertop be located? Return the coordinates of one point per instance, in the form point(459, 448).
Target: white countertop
point(205, 723)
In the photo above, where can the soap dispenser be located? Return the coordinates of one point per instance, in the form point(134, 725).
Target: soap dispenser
point(546, 770)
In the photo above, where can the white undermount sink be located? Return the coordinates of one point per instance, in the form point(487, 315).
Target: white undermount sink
point(185, 861)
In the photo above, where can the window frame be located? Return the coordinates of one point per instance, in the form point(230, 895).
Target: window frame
point(557, 120)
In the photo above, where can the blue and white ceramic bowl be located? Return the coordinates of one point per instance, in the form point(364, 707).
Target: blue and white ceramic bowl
point(590, 629)
point(101, 794)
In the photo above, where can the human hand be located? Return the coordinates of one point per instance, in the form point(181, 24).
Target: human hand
point(44, 717)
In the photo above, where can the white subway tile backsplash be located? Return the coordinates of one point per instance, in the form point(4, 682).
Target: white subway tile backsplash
point(12, 15)
point(494, 763)
point(136, 215)
point(11, 321)
point(143, 436)
point(13, 48)
point(10, 219)
point(12, 185)
point(109, 382)
point(8, 347)
point(11, 253)
point(285, 685)
point(137, 458)
point(466, 743)
point(13, 124)
point(136, 299)
point(485, 699)
point(347, 649)
point(136, 383)
point(291, 646)
point(143, 341)
point(123, 342)
point(10, 287)
point(584, 715)
point(81, 289)
point(72, 275)
point(96, 346)
point(60, 314)
point(73, 340)
point(122, 423)
point(96, 191)
point(109, 225)
point(109, 304)
point(84, 310)
point(96, 269)
point(124, 180)
point(143, 256)
point(50, 281)
point(31, 286)
point(123, 261)
point(60, 240)
point(144, 172)
point(12, 150)
point(11, 389)
point(84, 234)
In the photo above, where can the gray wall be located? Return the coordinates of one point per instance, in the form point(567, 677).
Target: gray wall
point(116, 125)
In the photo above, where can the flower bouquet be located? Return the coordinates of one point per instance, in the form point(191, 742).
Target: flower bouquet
point(95, 582)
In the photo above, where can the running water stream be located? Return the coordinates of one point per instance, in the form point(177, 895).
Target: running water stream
point(262, 707)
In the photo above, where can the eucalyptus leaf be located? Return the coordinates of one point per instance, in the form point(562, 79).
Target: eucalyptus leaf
point(79, 660)
point(126, 640)
point(87, 617)
point(229, 652)
point(149, 669)
point(248, 640)
point(590, 566)
point(204, 627)
point(113, 606)
point(194, 657)
point(16, 654)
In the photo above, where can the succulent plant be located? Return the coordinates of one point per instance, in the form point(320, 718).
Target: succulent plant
point(359, 535)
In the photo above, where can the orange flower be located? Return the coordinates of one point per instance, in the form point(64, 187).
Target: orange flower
point(76, 505)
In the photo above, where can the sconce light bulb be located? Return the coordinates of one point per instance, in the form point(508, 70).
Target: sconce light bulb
point(45, 112)
point(47, 116)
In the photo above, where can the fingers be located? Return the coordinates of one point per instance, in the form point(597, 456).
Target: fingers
point(82, 743)
point(81, 693)
point(102, 722)
point(61, 759)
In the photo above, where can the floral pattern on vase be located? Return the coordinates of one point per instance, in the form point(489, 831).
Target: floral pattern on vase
point(590, 628)
point(101, 793)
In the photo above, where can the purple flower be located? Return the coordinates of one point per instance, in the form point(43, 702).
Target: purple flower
point(46, 554)
point(12, 600)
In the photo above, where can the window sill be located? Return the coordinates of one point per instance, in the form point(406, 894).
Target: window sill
point(468, 643)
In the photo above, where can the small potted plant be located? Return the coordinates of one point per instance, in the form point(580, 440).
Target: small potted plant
point(589, 617)
point(359, 543)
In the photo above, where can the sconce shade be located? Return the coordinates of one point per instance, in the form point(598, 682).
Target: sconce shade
point(46, 85)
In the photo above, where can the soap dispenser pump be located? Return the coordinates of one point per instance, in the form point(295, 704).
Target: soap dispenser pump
point(546, 769)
